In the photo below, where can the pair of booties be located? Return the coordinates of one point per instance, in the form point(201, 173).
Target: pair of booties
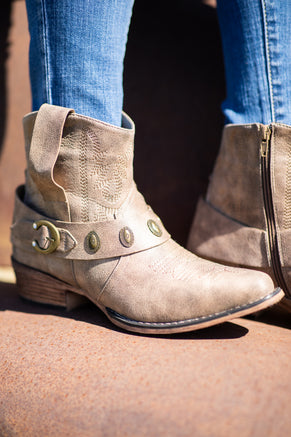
point(82, 230)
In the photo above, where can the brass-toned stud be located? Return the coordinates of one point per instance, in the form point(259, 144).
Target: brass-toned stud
point(126, 237)
point(154, 228)
point(54, 239)
point(93, 242)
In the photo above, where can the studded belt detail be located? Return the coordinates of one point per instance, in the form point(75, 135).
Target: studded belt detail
point(133, 232)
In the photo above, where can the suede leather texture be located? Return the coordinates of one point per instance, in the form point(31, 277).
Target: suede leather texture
point(89, 177)
point(230, 224)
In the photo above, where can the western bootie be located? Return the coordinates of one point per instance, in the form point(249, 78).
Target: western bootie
point(81, 228)
point(246, 217)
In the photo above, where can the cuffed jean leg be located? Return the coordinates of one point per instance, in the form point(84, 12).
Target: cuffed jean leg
point(76, 54)
point(256, 39)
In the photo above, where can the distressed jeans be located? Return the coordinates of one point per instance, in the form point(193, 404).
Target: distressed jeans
point(256, 40)
point(77, 50)
point(76, 54)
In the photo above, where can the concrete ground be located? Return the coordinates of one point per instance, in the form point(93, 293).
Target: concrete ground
point(73, 373)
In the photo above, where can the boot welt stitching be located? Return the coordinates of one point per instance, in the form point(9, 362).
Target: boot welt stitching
point(194, 321)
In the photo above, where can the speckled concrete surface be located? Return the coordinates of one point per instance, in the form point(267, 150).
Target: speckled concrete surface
point(74, 374)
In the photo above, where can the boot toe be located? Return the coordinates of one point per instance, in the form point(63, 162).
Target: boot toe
point(181, 291)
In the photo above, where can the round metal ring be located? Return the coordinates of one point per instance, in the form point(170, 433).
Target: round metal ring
point(54, 239)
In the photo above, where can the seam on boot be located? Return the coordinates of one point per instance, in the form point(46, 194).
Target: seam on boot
point(226, 215)
point(107, 280)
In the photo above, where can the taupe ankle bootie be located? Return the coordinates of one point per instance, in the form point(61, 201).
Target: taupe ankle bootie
point(81, 228)
point(246, 217)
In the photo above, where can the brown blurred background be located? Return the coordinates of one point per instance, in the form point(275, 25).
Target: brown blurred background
point(173, 85)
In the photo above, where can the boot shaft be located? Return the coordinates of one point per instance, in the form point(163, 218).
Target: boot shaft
point(78, 168)
point(237, 183)
point(246, 218)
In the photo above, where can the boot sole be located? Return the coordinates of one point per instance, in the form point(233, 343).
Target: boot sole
point(43, 288)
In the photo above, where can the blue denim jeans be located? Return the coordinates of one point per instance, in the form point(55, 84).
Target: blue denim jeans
point(76, 54)
point(256, 39)
point(77, 50)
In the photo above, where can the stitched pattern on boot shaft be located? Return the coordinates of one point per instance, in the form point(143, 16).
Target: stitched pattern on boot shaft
point(96, 180)
point(110, 176)
point(287, 205)
point(97, 211)
point(84, 178)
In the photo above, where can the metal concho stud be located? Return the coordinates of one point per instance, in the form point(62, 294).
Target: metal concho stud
point(93, 242)
point(126, 237)
point(154, 228)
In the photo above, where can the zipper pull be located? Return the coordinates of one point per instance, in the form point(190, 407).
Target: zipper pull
point(265, 142)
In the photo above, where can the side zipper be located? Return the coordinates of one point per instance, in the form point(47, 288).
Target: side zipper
point(269, 209)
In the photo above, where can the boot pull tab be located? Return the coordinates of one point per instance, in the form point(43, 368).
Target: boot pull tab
point(44, 150)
